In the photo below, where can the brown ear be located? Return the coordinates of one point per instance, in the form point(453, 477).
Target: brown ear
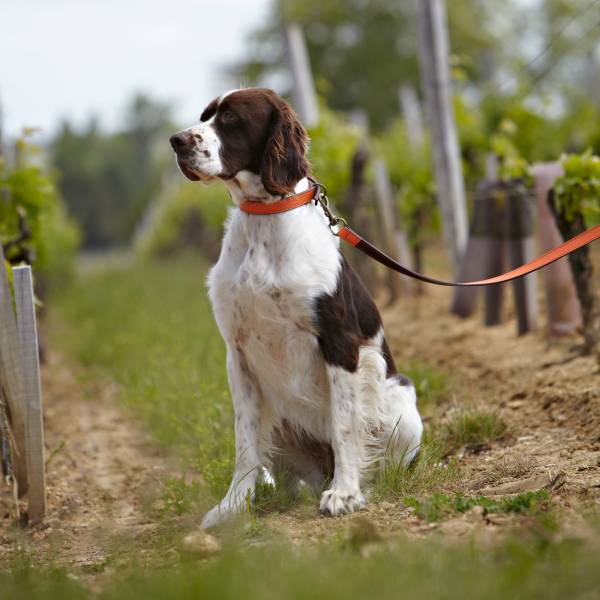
point(284, 160)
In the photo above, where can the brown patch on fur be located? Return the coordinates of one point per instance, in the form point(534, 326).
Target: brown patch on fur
point(346, 320)
point(299, 453)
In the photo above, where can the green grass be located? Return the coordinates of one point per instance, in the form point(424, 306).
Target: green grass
point(149, 327)
point(472, 429)
point(440, 506)
point(429, 471)
point(536, 563)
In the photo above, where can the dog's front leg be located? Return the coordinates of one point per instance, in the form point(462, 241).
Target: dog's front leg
point(344, 495)
point(246, 404)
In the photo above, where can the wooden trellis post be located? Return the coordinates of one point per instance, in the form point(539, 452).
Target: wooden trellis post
point(435, 74)
point(411, 111)
point(564, 313)
point(11, 379)
point(34, 424)
point(394, 239)
point(305, 97)
point(20, 389)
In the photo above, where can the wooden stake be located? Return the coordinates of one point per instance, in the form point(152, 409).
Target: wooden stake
point(357, 209)
point(482, 248)
point(564, 313)
point(26, 323)
point(305, 97)
point(435, 74)
point(387, 212)
point(11, 378)
point(411, 111)
point(521, 250)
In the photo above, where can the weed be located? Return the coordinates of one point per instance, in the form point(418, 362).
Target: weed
point(472, 429)
point(179, 497)
point(428, 471)
point(277, 497)
point(439, 506)
point(508, 467)
point(56, 450)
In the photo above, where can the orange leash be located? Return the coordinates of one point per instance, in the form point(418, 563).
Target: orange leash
point(341, 229)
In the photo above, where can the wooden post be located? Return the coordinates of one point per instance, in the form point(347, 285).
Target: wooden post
point(305, 97)
point(564, 313)
point(26, 324)
point(521, 250)
point(411, 111)
point(11, 378)
point(387, 212)
point(435, 74)
point(484, 254)
point(359, 215)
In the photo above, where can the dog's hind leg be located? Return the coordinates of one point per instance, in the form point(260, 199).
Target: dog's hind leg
point(402, 427)
point(246, 404)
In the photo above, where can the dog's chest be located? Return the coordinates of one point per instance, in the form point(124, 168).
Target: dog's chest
point(263, 290)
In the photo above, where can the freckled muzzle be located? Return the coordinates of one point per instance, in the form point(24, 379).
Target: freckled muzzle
point(194, 158)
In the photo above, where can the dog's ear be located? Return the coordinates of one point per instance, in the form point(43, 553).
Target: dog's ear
point(284, 160)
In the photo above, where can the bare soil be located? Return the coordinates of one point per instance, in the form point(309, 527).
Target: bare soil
point(103, 471)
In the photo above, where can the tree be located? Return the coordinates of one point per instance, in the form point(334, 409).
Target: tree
point(361, 51)
point(108, 179)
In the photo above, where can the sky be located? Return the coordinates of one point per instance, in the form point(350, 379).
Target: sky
point(77, 58)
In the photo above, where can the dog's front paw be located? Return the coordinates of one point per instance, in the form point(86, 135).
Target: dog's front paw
point(228, 507)
point(340, 502)
point(215, 516)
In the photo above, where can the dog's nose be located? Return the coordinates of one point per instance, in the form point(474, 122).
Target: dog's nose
point(181, 140)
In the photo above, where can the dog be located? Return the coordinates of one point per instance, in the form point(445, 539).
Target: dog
point(316, 395)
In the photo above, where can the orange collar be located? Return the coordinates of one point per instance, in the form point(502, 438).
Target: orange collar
point(260, 208)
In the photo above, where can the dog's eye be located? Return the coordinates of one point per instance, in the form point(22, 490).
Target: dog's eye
point(228, 116)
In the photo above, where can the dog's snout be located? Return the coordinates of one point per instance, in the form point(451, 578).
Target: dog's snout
point(181, 140)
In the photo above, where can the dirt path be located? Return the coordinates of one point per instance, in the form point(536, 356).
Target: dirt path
point(102, 470)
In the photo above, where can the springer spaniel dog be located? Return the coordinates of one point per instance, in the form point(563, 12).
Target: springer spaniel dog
point(316, 394)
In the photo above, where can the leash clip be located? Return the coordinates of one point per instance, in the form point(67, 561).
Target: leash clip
point(335, 223)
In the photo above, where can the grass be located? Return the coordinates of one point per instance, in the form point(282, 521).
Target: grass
point(429, 471)
point(149, 327)
point(520, 567)
point(472, 429)
point(509, 467)
point(440, 506)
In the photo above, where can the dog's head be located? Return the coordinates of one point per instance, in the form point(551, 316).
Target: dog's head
point(245, 130)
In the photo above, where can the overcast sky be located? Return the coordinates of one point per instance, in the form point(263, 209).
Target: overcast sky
point(75, 58)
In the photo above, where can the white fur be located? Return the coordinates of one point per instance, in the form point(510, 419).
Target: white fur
point(205, 161)
point(263, 287)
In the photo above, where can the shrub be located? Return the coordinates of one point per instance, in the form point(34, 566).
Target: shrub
point(34, 227)
point(187, 215)
point(577, 206)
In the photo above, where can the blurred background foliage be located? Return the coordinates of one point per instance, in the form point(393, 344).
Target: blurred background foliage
point(34, 226)
point(526, 82)
point(108, 180)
